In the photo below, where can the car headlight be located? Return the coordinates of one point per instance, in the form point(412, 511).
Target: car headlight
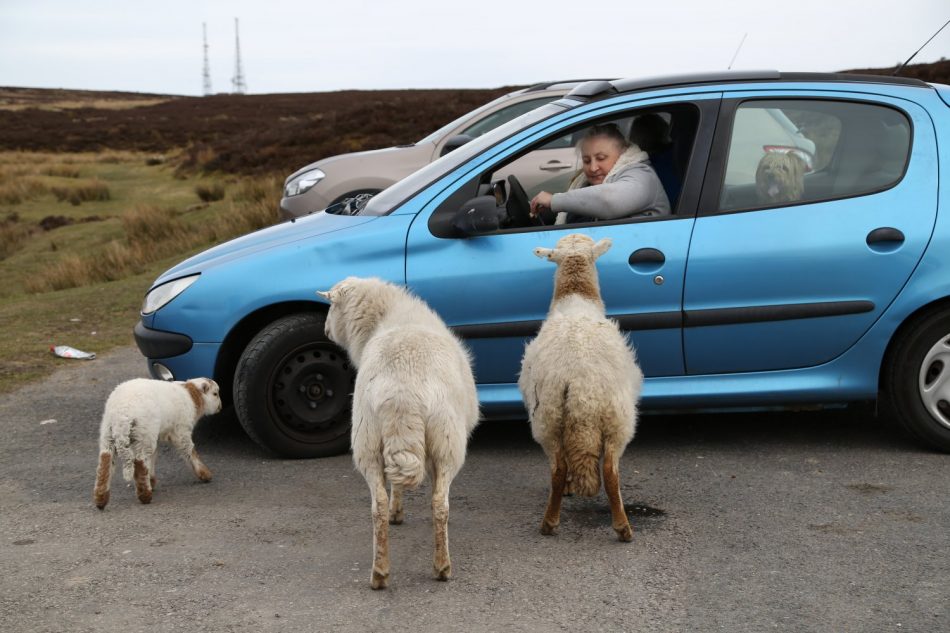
point(166, 292)
point(304, 182)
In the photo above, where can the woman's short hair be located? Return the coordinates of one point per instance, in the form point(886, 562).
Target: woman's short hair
point(610, 130)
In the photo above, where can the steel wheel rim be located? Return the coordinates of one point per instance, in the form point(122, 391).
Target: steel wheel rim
point(933, 381)
point(308, 392)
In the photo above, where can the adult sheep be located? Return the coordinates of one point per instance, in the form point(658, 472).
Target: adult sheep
point(580, 383)
point(414, 404)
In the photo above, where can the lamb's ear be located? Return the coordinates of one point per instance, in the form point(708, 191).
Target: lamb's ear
point(544, 253)
point(602, 247)
point(205, 386)
point(325, 294)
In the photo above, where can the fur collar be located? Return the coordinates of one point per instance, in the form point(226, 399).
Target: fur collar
point(631, 155)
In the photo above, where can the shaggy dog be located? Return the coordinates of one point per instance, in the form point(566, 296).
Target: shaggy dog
point(141, 412)
point(780, 178)
point(414, 404)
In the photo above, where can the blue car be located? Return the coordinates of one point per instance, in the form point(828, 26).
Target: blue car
point(825, 284)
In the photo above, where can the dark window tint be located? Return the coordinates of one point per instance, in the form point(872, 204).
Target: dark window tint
point(791, 151)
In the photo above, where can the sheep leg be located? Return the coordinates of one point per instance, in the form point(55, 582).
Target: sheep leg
point(143, 489)
point(377, 486)
point(186, 448)
point(612, 487)
point(442, 562)
point(395, 504)
point(100, 494)
point(151, 469)
point(552, 515)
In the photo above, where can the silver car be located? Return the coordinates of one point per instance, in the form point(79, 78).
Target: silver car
point(333, 179)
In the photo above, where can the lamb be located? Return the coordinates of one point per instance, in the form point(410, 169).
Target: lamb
point(138, 414)
point(414, 404)
point(580, 383)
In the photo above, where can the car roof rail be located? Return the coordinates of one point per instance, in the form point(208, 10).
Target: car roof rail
point(856, 77)
point(544, 85)
point(593, 89)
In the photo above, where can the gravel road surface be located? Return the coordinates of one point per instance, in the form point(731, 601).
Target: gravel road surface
point(787, 522)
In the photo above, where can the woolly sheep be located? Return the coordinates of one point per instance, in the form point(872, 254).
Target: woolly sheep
point(580, 383)
point(414, 404)
point(139, 413)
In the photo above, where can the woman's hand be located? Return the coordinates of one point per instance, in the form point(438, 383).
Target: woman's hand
point(540, 202)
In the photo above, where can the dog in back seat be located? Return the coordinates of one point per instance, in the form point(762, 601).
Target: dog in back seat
point(780, 177)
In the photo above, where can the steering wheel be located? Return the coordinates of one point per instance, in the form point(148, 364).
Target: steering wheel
point(518, 206)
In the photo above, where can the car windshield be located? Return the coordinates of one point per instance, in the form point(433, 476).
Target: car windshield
point(386, 201)
point(448, 127)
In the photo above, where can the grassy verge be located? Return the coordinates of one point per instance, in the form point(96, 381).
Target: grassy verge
point(74, 273)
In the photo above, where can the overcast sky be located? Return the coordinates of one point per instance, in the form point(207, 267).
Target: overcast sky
point(317, 45)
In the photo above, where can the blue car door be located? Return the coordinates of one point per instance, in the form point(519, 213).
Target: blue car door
point(816, 209)
point(495, 292)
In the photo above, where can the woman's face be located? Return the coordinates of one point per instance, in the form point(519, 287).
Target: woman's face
point(600, 154)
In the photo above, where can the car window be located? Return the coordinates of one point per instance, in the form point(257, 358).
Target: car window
point(504, 115)
point(788, 152)
point(665, 134)
point(390, 198)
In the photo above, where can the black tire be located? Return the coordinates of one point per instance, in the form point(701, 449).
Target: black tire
point(911, 368)
point(293, 389)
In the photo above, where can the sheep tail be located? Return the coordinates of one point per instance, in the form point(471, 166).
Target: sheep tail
point(122, 440)
point(582, 444)
point(404, 451)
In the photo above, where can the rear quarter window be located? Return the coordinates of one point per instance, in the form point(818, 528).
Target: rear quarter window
point(785, 152)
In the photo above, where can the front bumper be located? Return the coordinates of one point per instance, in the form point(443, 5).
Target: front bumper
point(297, 206)
point(160, 344)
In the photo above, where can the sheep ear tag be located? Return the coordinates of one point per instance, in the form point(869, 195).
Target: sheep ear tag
point(325, 294)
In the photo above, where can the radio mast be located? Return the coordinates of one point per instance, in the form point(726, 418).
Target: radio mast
point(206, 75)
point(238, 85)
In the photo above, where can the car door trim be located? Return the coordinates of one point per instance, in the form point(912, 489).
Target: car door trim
point(688, 319)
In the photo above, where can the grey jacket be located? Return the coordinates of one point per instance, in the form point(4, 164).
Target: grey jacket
point(630, 188)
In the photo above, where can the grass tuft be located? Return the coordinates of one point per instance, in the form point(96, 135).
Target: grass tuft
point(96, 190)
point(210, 193)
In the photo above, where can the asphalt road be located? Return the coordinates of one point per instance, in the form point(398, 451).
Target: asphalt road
point(787, 522)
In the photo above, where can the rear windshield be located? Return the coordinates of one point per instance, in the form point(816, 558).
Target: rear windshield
point(389, 199)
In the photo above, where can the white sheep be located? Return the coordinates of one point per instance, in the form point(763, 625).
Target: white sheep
point(138, 414)
point(580, 383)
point(414, 404)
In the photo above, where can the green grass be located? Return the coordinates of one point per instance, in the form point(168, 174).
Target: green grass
point(82, 283)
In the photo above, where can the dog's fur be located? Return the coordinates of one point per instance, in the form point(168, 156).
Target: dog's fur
point(137, 415)
point(780, 178)
point(414, 404)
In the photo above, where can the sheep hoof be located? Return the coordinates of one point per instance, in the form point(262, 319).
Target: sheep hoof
point(379, 580)
point(547, 529)
point(625, 533)
point(444, 573)
point(395, 518)
point(204, 475)
point(145, 496)
point(101, 500)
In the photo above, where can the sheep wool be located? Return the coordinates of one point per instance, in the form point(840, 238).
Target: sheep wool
point(580, 383)
point(414, 404)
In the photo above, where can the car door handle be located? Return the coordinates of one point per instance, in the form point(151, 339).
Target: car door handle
point(647, 256)
point(885, 234)
point(554, 165)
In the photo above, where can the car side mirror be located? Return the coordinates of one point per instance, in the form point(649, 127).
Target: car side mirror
point(455, 142)
point(480, 215)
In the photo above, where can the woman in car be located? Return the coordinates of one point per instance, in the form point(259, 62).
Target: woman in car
point(616, 181)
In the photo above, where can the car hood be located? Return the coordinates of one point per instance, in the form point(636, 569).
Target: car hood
point(367, 159)
point(307, 227)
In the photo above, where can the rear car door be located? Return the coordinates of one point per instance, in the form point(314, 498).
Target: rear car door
point(793, 257)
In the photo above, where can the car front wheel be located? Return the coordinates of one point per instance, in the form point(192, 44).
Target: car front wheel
point(292, 389)
point(918, 380)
